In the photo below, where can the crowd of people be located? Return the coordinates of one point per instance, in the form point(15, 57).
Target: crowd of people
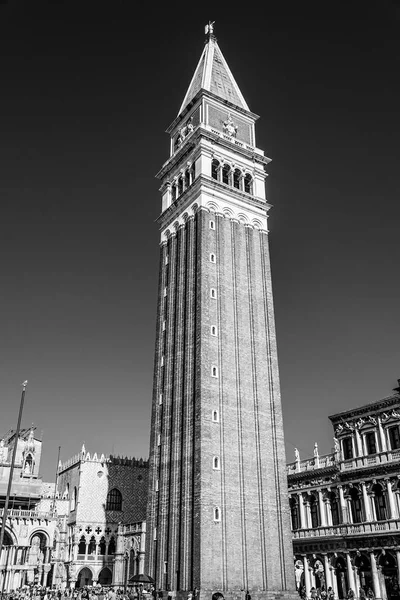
point(37, 592)
point(323, 594)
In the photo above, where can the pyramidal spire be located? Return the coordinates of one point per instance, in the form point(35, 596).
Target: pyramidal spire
point(213, 75)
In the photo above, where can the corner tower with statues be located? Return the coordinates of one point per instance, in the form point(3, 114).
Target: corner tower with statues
point(218, 513)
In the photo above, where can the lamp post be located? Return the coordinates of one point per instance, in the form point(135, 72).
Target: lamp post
point(5, 509)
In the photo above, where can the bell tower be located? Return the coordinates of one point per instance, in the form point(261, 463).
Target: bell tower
point(218, 513)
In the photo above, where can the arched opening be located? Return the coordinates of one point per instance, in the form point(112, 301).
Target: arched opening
point(82, 548)
point(105, 576)
point(132, 564)
point(114, 500)
point(236, 178)
point(85, 577)
point(341, 577)
point(379, 502)
point(92, 545)
point(187, 178)
point(215, 169)
point(363, 565)
point(28, 466)
point(226, 174)
point(216, 463)
point(356, 506)
point(314, 510)
point(334, 508)
point(6, 550)
point(248, 184)
point(389, 572)
point(299, 575)
point(319, 575)
point(102, 546)
point(294, 512)
point(111, 547)
point(217, 514)
point(180, 185)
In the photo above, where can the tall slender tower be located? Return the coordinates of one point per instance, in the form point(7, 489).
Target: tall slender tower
point(218, 515)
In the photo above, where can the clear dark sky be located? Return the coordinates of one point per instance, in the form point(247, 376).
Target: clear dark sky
point(87, 91)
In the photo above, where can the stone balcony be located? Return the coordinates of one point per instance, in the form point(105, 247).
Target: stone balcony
point(310, 464)
point(380, 458)
point(348, 529)
point(329, 460)
point(27, 514)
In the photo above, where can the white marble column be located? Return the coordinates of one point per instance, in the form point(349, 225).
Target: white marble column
point(308, 514)
point(375, 576)
point(343, 505)
point(392, 502)
point(322, 512)
point(360, 451)
point(350, 575)
point(382, 436)
point(334, 583)
point(303, 523)
point(328, 577)
point(306, 576)
point(367, 503)
point(328, 511)
point(398, 565)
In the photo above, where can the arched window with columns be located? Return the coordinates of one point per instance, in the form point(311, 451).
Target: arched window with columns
point(379, 502)
point(226, 174)
point(335, 512)
point(237, 175)
point(356, 507)
point(314, 510)
point(215, 166)
point(248, 184)
point(294, 511)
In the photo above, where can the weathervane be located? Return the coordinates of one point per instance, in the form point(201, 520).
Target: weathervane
point(209, 29)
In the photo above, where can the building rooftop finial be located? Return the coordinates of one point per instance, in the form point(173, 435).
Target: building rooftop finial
point(209, 30)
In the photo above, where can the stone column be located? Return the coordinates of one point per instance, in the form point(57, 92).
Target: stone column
point(372, 505)
point(367, 504)
point(328, 511)
point(350, 575)
point(382, 436)
point(398, 565)
point(343, 505)
point(334, 583)
point(392, 503)
point(328, 576)
point(322, 512)
point(306, 576)
point(375, 576)
point(308, 514)
point(360, 451)
point(303, 523)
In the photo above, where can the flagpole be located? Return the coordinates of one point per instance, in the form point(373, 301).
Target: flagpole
point(5, 509)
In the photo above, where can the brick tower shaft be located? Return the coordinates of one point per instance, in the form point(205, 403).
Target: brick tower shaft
point(218, 515)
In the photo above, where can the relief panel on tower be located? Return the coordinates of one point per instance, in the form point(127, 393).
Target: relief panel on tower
point(229, 123)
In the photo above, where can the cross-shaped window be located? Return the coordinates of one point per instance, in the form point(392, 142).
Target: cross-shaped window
point(88, 530)
point(108, 531)
point(98, 530)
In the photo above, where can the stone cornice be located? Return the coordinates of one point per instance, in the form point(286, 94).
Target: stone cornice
point(190, 194)
point(371, 408)
point(193, 140)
